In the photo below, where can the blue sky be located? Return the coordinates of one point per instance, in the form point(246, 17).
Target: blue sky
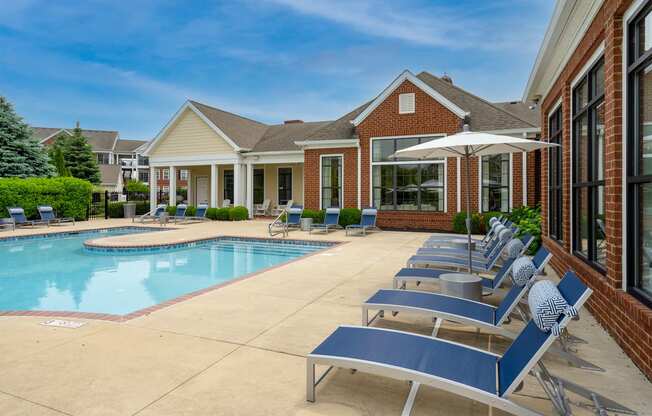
point(129, 65)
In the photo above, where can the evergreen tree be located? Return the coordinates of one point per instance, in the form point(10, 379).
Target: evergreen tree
point(80, 159)
point(59, 161)
point(20, 153)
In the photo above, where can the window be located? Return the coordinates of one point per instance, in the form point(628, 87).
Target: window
point(228, 185)
point(495, 182)
point(166, 174)
point(158, 174)
point(103, 158)
point(555, 177)
point(331, 181)
point(639, 156)
point(404, 184)
point(259, 186)
point(143, 176)
point(406, 103)
point(183, 174)
point(588, 167)
point(143, 161)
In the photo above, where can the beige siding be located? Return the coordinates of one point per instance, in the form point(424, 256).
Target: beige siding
point(190, 136)
point(271, 182)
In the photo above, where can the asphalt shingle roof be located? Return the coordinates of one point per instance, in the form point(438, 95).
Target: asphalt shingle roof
point(128, 146)
point(283, 136)
point(100, 140)
point(110, 174)
point(243, 131)
point(525, 111)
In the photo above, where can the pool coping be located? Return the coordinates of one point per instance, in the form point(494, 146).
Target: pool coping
point(328, 245)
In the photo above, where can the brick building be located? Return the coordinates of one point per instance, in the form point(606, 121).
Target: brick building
point(593, 81)
point(348, 162)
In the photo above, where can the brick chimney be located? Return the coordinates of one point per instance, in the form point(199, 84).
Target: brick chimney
point(293, 121)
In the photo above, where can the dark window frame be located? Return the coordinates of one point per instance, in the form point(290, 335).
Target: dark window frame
point(593, 183)
point(636, 61)
point(229, 185)
point(556, 175)
point(396, 164)
point(259, 188)
point(339, 187)
point(487, 160)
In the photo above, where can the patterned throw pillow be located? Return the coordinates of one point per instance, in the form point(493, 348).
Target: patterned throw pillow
point(546, 305)
point(493, 220)
point(505, 234)
point(522, 270)
point(513, 248)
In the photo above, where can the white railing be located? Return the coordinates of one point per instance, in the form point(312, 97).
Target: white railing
point(278, 226)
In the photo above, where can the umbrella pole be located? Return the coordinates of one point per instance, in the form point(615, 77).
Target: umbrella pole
point(468, 207)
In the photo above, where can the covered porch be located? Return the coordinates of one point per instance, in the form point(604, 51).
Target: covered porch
point(224, 184)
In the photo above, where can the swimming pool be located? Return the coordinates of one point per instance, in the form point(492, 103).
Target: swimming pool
point(56, 273)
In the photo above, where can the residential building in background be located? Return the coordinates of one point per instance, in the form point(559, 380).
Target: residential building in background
point(347, 162)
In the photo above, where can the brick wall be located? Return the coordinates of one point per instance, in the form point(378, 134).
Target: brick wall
point(311, 176)
point(624, 317)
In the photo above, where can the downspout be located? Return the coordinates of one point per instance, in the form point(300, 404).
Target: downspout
point(359, 175)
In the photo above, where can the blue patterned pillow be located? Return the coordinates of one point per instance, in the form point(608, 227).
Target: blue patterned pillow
point(546, 305)
point(493, 220)
point(522, 270)
point(505, 234)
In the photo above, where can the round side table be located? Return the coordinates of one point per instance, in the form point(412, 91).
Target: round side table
point(461, 285)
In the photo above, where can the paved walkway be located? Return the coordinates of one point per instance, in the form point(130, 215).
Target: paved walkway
point(240, 350)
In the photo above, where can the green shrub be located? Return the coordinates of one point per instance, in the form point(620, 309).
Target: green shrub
point(70, 197)
point(238, 213)
point(137, 186)
point(528, 220)
point(211, 213)
point(222, 214)
point(316, 215)
point(350, 216)
point(116, 209)
point(459, 223)
point(485, 220)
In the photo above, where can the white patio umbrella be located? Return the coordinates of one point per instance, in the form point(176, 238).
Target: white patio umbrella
point(468, 144)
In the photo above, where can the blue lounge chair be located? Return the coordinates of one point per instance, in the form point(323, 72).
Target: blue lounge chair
point(47, 214)
point(367, 222)
point(20, 220)
point(331, 221)
point(460, 262)
point(459, 369)
point(526, 239)
point(7, 223)
point(200, 213)
point(439, 240)
point(153, 215)
point(489, 285)
point(293, 217)
point(180, 213)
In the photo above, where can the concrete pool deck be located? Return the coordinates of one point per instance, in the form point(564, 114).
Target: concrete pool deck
point(240, 349)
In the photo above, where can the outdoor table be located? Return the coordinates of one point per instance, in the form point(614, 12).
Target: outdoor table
point(461, 285)
point(163, 218)
point(306, 223)
point(461, 243)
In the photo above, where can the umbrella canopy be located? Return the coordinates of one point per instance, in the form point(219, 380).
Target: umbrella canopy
point(467, 144)
point(471, 143)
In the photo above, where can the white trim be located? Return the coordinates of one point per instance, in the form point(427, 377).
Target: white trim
point(276, 158)
point(54, 134)
point(275, 152)
point(410, 136)
point(278, 200)
point(359, 174)
point(595, 56)
point(632, 11)
point(552, 109)
point(445, 185)
point(321, 158)
point(513, 131)
point(413, 98)
point(459, 184)
point(524, 189)
point(562, 12)
point(327, 144)
point(408, 76)
point(511, 181)
point(189, 106)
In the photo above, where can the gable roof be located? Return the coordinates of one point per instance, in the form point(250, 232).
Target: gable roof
point(283, 136)
point(483, 115)
point(128, 146)
point(425, 87)
point(100, 140)
point(110, 174)
point(243, 131)
point(525, 111)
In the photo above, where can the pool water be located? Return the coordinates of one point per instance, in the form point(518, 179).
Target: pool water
point(56, 273)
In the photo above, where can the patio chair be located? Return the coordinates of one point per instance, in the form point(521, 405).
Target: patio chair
point(448, 240)
point(526, 239)
point(456, 368)
point(17, 214)
point(226, 203)
point(47, 214)
point(282, 208)
point(293, 217)
point(152, 215)
point(7, 223)
point(367, 222)
point(489, 285)
point(331, 221)
point(262, 209)
point(482, 265)
point(180, 213)
point(200, 213)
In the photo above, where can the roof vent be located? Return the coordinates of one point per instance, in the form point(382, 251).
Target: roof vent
point(447, 78)
point(293, 122)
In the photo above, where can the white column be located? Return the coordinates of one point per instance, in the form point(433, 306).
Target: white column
point(213, 186)
point(152, 188)
point(173, 187)
point(237, 184)
point(250, 189)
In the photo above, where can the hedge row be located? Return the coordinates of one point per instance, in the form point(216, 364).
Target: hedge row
point(116, 210)
point(348, 216)
point(70, 197)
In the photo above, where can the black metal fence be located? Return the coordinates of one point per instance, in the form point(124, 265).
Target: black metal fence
point(99, 206)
